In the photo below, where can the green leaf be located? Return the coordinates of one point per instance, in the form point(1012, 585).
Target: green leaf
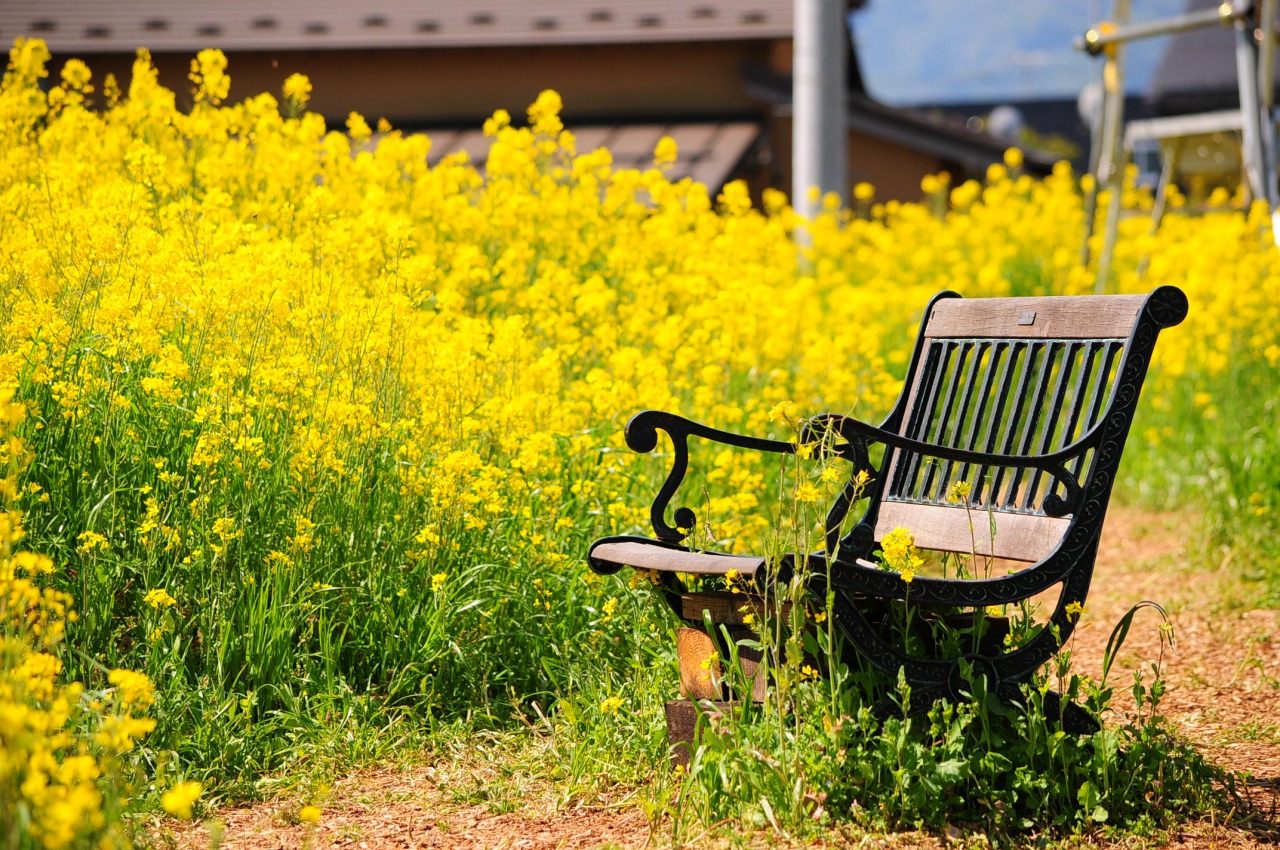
point(1088, 796)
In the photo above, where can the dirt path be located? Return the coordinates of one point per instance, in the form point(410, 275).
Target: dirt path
point(1223, 683)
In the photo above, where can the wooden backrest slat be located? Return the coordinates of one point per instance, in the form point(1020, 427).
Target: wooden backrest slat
point(1048, 317)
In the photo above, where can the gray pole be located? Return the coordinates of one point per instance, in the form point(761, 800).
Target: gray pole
point(818, 101)
point(1266, 101)
point(1256, 167)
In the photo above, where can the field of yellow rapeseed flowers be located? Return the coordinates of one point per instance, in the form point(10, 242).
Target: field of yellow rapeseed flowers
point(320, 432)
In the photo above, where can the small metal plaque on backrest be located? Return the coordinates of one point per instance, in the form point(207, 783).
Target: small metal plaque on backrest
point(1027, 317)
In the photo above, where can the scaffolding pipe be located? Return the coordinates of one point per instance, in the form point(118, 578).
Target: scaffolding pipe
point(818, 134)
point(1267, 55)
point(1111, 162)
point(1266, 101)
point(1096, 40)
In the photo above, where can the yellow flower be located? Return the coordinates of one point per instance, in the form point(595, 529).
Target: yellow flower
point(132, 688)
point(297, 89)
point(1074, 611)
point(91, 540)
point(438, 581)
point(666, 151)
point(208, 72)
point(544, 114)
point(610, 705)
point(358, 128)
point(179, 799)
point(897, 546)
point(501, 118)
point(76, 75)
point(309, 814)
point(159, 598)
point(959, 491)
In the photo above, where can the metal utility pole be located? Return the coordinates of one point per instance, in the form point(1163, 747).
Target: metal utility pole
point(1256, 92)
point(818, 135)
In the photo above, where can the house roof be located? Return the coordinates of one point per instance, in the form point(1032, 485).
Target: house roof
point(942, 136)
point(1197, 71)
point(93, 26)
point(708, 151)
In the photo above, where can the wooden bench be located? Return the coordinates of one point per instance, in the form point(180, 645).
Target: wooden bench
point(1028, 400)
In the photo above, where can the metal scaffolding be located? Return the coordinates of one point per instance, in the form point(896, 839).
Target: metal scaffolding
point(1255, 36)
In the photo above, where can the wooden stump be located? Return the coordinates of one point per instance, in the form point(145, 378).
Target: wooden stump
point(682, 725)
point(702, 662)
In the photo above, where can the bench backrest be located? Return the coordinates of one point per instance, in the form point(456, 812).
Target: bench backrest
point(1016, 376)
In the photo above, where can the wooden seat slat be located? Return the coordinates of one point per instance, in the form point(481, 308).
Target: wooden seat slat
point(1018, 537)
point(663, 559)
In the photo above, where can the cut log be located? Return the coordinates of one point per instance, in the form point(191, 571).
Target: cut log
point(699, 664)
point(702, 669)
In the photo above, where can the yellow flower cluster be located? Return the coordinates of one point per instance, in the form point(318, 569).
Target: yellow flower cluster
point(179, 800)
point(50, 768)
point(899, 553)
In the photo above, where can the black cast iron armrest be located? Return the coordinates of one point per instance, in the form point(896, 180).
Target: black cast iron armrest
point(642, 436)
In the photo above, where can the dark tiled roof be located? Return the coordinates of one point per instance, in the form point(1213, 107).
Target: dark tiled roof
point(708, 152)
point(944, 136)
point(98, 26)
point(1197, 72)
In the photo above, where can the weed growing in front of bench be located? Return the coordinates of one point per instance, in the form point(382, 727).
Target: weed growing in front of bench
point(817, 754)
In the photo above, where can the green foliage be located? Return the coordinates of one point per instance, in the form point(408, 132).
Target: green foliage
point(821, 757)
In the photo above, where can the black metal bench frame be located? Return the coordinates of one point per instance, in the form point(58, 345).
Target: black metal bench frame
point(1029, 399)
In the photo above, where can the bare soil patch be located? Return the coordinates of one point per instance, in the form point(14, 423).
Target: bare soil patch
point(1223, 682)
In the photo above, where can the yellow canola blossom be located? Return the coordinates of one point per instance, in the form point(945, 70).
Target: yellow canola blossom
point(179, 800)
